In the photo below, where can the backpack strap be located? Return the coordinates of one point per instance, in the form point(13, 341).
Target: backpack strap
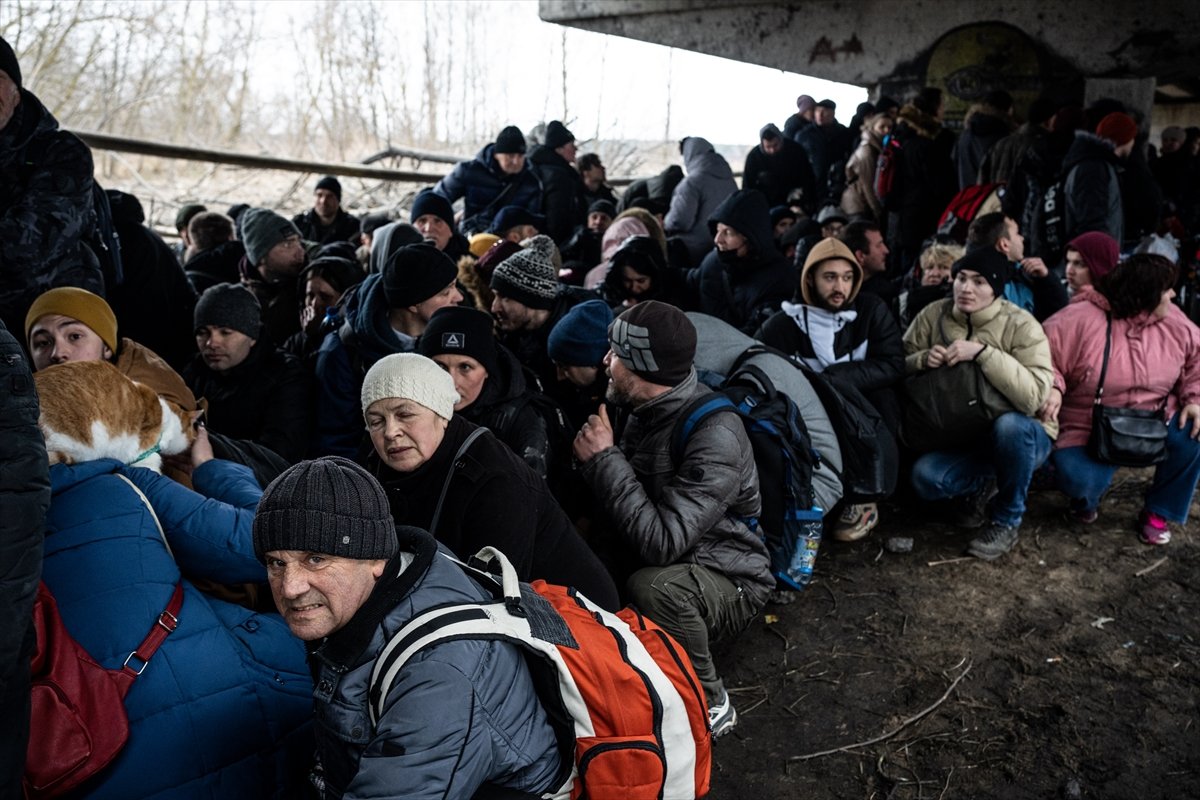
point(455, 465)
point(693, 414)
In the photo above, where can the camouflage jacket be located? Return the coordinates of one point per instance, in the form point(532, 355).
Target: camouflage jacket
point(45, 210)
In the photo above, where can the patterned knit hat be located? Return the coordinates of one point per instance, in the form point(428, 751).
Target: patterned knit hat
point(528, 275)
point(411, 377)
point(331, 506)
point(656, 341)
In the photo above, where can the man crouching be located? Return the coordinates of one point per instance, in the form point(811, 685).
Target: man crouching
point(460, 715)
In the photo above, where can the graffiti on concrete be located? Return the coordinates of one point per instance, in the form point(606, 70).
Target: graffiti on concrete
point(970, 61)
point(824, 49)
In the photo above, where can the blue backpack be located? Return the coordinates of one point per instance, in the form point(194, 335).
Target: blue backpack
point(789, 522)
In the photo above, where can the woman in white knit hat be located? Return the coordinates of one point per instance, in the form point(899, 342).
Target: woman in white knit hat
point(460, 483)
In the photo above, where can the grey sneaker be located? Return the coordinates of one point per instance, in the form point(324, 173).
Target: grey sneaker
point(722, 717)
point(995, 541)
point(972, 512)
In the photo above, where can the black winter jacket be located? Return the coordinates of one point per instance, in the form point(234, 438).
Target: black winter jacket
point(776, 175)
point(530, 346)
point(154, 304)
point(264, 399)
point(216, 265)
point(746, 291)
point(24, 496)
point(481, 184)
point(1092, 188)
point(45, 211)
point(344, 228)
point(494, 499)
point(925, 178)
point(506, 407)
point(563, 193)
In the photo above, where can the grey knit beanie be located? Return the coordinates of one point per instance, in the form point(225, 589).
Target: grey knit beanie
point(529, 275)
point(331, 506)
point(261, 229)
point(228, 305)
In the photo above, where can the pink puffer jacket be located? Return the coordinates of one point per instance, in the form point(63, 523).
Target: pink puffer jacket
point(1151, 357)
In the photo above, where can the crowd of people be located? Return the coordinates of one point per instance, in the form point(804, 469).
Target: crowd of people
point(504, 361)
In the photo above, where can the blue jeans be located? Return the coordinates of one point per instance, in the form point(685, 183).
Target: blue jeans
point(1016, 447)
point(1170, 494)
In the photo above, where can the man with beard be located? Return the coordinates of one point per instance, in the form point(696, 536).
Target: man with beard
point(848, 334)
point(704, 573)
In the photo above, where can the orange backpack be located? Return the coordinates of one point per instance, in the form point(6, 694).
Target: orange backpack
point(618, 689)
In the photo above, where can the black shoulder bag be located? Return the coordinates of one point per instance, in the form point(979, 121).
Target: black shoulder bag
point(1127, 437)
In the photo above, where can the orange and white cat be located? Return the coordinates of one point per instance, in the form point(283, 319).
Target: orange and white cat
point(90, 410)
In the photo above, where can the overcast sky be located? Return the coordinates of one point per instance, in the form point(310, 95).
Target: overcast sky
point(618, 88)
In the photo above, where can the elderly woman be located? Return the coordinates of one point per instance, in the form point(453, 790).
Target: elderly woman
point(1153, 363)
point(460, 483)
point(929, 282)
point(494, 390)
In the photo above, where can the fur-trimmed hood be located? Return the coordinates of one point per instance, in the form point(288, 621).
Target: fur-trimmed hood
point(923, 124)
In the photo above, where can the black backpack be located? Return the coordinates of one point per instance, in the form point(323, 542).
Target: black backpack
point(783, 454)
point(870, 455)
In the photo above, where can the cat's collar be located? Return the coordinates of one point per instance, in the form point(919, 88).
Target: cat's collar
point(147, 453)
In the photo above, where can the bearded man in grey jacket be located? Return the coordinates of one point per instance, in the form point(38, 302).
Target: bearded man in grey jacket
point(707, 573)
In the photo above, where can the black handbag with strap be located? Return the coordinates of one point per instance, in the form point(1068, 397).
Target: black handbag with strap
point(1126, 437)
point(950, 407)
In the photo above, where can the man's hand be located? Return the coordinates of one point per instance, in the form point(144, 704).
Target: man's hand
point(935, 357)
point(202, 451)
point(1049, 410)
point(1035, 267)
point(961, 351)
point(1190, 414)
point(596, 435)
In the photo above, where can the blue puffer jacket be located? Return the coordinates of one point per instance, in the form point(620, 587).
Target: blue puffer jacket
point(459, 714)
point(346, 354)
point(480, 181)
point(227, 699)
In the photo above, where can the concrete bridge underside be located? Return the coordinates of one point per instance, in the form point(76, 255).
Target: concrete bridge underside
point(1146, 54)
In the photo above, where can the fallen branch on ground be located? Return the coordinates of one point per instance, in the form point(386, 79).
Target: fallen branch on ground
point(1150, 568)
point(950, 561)
point(882, 737)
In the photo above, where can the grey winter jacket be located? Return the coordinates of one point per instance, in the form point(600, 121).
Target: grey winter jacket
point(692, 513)
point(709, 181)
point(718, 345)
point(459, 714)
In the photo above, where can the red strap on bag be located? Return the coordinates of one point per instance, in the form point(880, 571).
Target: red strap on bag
point(78, 723)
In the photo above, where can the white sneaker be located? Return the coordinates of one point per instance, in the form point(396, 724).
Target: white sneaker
point(723, 716)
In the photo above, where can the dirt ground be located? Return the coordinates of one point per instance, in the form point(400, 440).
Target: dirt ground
point(1067, 669)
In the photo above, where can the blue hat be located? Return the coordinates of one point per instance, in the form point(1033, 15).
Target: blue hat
point(580, 338)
